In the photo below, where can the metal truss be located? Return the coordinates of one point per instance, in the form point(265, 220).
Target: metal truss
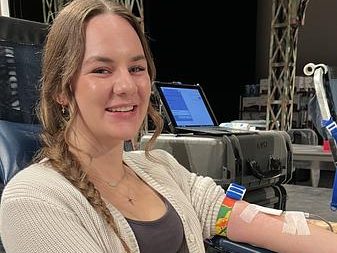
point(287, 16)
point(50, 9)
point(136, 6)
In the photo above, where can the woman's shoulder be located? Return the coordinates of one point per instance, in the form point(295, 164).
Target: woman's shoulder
point(40, 172)
point(38, 181)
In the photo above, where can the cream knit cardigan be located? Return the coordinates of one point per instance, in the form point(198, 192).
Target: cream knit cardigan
point(43, 212)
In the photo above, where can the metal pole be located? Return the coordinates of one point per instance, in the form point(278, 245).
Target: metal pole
point(4, 8)
point(287, 16)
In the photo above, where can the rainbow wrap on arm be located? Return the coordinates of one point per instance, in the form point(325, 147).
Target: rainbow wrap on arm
point(234, 193)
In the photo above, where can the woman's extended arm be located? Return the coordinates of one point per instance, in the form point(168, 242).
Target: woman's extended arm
point(266, 231)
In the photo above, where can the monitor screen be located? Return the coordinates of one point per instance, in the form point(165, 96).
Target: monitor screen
point(186, 105)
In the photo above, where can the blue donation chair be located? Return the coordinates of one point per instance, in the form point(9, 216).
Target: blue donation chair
point(21, 43)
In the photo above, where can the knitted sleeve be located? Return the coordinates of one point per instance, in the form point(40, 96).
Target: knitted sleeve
point(42, 213)
point(41, 227)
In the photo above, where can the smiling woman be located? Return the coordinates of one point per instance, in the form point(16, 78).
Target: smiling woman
point(112, 86)
point(84, 193)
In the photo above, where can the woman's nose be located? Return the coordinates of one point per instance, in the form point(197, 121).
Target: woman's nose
point(124, 83)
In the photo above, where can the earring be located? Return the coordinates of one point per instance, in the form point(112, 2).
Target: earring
point(63, 109)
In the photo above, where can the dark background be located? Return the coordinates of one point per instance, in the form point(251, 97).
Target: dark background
point(221, 46)
point(199, 43)
point(194, 43)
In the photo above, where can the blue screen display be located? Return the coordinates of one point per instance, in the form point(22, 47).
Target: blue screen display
point(187, 106)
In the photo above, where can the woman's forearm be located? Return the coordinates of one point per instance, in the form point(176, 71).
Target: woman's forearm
point(266, 231)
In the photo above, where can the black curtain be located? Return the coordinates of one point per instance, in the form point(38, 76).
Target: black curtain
point(26, 9)
point(202, 43)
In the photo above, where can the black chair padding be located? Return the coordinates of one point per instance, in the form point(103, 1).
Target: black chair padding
point(18, 144)
point(21, 45)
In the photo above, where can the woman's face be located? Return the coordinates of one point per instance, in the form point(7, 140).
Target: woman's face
point(112, 88)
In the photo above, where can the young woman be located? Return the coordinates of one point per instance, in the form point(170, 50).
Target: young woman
point(84, 193)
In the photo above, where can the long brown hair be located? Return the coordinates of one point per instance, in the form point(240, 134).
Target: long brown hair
point(63, 55)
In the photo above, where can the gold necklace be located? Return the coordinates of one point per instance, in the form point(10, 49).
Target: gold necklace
point(114, 185)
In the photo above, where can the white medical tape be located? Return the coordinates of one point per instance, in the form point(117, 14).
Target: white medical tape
point(295, 223)
point(271, 211)
point(252, 210)
point(289, 225)
point(249, 213)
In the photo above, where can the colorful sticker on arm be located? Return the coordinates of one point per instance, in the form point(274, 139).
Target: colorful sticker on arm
point(223, 216)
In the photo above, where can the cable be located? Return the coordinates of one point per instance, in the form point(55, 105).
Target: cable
point(315, 216)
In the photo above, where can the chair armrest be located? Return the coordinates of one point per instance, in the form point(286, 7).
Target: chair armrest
point(219, 244)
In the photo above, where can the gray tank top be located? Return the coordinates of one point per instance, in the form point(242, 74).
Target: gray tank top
point(164, 235)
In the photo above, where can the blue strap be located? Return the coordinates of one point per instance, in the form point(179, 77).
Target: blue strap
point(235, 191)
point(331, 127)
